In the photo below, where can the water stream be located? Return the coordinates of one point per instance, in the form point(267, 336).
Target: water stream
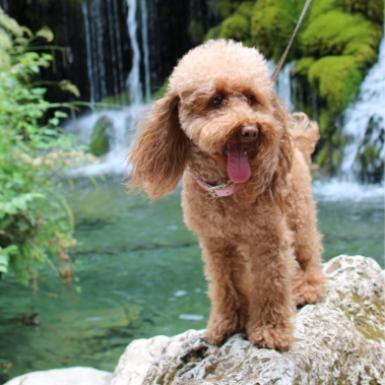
point(369, 106)
point(139, 274)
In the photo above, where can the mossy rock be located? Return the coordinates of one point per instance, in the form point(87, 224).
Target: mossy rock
point(272, 23)
point(371, 160)
point(100, 143)
point(236, 27)
point(337, 79)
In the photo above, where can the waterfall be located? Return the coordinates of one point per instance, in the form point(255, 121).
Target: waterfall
point(104, 48)
point(284, 85)
point(146, 49)
point(359, 128)
point(122, 121)
point(134, 77)
point(359, 117)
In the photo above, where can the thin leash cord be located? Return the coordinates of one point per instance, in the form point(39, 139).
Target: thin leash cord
point(282, 60)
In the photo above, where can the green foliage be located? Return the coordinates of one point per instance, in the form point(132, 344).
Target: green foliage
point(337, 78)
point(340, 33)
point(99, 144)
point(237, 26)
point(35, 223)
point(273, 22)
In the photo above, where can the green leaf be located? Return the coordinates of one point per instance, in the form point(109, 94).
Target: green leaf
point(45, 33)
point(66, 85)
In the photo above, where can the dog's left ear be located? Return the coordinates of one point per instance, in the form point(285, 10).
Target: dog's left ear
point(285, 156)
point(160, 153)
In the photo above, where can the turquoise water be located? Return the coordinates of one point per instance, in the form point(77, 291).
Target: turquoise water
point(140, 274)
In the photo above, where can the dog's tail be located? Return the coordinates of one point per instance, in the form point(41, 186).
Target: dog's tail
point(305, 134)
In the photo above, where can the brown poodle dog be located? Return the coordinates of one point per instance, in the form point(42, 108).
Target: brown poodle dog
point(247, 188)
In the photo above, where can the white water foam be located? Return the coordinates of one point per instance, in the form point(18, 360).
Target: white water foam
point(124, 126)
point(336, 189)
point(370, 103)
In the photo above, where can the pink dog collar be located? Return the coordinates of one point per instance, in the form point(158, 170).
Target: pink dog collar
point(219, 191)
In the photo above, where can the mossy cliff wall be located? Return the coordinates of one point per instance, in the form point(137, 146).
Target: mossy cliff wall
point(336, 45)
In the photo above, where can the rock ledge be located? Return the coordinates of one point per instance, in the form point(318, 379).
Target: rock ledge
point(338, 341)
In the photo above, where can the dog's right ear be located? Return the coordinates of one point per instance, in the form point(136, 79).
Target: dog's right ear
point(160, 153)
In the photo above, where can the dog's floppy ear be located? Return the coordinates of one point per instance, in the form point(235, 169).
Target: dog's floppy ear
point(285, 156)
point(160, 153)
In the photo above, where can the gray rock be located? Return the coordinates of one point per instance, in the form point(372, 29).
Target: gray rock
point(338, 341)
point(67, 376)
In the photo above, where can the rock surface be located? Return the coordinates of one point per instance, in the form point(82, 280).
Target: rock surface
point(338, 341)
point(68, 376)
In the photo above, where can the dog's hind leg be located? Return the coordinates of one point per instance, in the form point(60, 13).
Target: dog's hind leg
point(309, 282)
point(224, 269)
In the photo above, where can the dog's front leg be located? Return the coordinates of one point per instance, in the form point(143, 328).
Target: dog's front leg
point(224, 271)
point(271, 305)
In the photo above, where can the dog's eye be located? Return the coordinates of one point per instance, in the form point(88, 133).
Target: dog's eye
point(250, 99)
point(217, 100)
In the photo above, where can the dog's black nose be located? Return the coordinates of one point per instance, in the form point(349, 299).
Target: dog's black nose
point(249, 131)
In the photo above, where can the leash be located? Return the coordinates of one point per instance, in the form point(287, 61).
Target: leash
point(282, 60)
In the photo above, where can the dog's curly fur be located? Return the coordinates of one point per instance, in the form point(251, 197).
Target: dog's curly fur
point(261, 247)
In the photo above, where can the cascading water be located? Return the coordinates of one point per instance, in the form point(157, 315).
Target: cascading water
point(122, 121)
point(104, 48)
point(359, 118)
point(134, 79)
point(358, 126)
point(146, 49)
point(134, 83)
point(284, 85)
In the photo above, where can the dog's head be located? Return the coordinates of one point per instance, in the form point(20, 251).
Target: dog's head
point(220, 102)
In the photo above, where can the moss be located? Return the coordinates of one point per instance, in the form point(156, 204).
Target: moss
point(303, 65)
point(272, 23)
point(370, 332)
point(235, 27)
point(360, 316)
point(337, 78)
point(372, 9)
point(341, 34)
point(99, 144)
point(167, 378)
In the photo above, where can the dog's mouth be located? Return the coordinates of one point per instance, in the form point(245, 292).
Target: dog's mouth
point(237, 164)
point(239, 150)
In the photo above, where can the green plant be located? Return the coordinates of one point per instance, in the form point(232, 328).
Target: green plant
point(35, 222)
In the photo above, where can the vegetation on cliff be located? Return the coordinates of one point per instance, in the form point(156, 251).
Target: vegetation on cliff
point(35, 223)
point(335, 47)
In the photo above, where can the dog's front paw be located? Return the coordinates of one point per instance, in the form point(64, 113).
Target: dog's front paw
point(309, 289)
point(272, 337)
point(218, 329)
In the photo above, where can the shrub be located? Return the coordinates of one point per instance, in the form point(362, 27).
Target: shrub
point(35, 222)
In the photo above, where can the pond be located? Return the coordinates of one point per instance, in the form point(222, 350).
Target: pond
point(138, 274)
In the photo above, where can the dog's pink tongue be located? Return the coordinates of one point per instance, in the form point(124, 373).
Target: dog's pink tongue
point(238, 167)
